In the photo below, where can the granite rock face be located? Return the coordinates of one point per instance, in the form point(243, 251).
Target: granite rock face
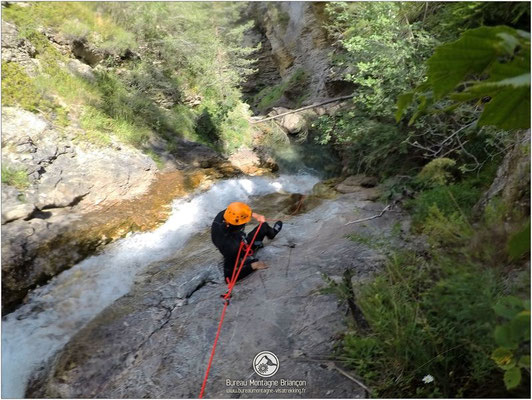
point(155, 342)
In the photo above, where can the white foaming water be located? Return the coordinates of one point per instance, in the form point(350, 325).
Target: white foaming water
point(56, 311)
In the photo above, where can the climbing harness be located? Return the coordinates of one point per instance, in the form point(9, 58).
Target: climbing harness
point(227, 296)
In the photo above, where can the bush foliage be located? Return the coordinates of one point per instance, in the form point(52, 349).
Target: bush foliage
point(189, 51)
point(15, 177)
point(451, 320)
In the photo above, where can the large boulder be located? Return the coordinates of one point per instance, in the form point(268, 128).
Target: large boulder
point(17, 212)
point(324, 190)
point(359, 180)
point(364, 187)
point(253, 161)
point(81, 69)
point(293, 123)
point(61, 173)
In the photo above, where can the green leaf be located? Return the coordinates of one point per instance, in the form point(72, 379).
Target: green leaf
point(518, 66)
point(508, 307)
point(520, 326)
point(509, 42)
point(403, 101)
point(523, 34)
point(504, 336)
point(503, 357)
point(508, 109)
point(524, 362)
point(519, 243)
point(518, 81)
point(472, 53)
point(425, 101)
point(512, 377)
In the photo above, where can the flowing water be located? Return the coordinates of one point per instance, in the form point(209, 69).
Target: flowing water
point(57, 310)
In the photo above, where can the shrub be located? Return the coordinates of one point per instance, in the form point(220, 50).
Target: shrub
point(118, 42)
point(513, 338)
point(77, 20)
point(424, 320)
point(367, 145)
point(235, 130)
point(184, 122)
point(19, 89)
point(455, 198)
point(15, 177)
point(436, 172)
point(447, 231)
point(268, 96)
point(99, 128)
point(55, 79)
point(75, 29)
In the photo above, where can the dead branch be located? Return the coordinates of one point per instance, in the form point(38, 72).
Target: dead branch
point(373, 217)
point(331, 365)
point(344, 373)
point(304, 108)
point(448, 145)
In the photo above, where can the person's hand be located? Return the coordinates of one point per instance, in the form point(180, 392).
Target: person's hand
point(259, 217)
point(259, 265)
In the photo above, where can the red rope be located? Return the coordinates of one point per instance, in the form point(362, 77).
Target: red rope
point(236, 262)
point(227, 296)
point(213, 350)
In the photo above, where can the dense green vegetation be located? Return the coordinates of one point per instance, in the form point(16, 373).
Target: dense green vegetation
point(383, 48)
point(168, 69)
point(15, 177)
point(438, 320)
point(268, 96)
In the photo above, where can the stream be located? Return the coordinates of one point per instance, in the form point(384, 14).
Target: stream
point(56, 311)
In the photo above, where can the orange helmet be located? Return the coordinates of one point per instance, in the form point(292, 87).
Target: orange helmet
point(237, 213)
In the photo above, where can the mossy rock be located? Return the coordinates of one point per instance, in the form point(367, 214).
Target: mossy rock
point(324, 190)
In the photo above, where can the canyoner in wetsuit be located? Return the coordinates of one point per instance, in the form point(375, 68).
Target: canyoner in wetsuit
point(227, 232)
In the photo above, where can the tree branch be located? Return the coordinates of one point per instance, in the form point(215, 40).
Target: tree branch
point(333, 365)
point(373, 217)
point(304, 108)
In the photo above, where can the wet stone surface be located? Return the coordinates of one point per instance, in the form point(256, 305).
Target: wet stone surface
point(156, 340)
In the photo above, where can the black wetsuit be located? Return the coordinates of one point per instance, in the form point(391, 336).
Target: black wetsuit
point(227, 239)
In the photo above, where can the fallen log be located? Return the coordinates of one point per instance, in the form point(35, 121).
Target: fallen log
point(303, 108)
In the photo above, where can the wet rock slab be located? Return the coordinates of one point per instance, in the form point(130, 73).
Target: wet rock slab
point(156, 341)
